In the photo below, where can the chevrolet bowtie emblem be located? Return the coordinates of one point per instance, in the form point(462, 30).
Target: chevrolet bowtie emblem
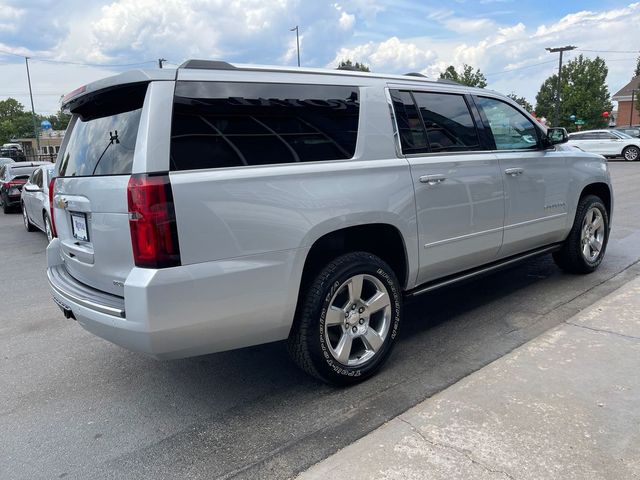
point(62, 203)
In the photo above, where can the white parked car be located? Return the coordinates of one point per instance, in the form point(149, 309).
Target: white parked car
point(35, 201)
point(609, 143)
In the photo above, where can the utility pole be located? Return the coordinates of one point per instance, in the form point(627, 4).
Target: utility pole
point(160, 62)
point(33, 111)
point(556, 115)
point(297, 41)
point(633, 107)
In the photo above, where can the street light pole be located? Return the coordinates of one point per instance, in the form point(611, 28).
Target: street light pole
point(297, 41)
point(633, 91)
point(556, 115)
point(33, 111)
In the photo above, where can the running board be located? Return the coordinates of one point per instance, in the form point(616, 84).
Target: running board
point(484, 270)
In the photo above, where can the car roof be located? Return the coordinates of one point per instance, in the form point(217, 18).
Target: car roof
point(201, 70)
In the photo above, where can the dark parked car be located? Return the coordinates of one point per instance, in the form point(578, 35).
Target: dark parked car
point(14, 153)
point(632, 130)
point(13, 176)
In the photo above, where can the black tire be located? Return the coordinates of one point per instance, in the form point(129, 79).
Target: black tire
point(27, 223)
point(308, 343)
point(571, 258)
point(631, 153)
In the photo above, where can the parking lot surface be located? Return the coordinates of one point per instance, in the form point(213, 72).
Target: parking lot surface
point(75, 406)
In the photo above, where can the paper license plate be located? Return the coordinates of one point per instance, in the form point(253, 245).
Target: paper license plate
point(79, 226)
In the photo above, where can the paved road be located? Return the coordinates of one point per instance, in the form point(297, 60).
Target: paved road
point(75, 406)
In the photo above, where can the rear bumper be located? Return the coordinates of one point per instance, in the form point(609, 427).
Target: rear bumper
point(189, 310)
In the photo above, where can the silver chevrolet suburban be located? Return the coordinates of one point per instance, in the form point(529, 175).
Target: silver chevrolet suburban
point(215, 206)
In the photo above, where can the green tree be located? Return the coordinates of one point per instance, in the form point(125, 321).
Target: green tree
point(521, 101)
point(637, 70)
point(583, 90)
point(349, 65)
point(466, 76)
point(14, 121)
point(60, 120)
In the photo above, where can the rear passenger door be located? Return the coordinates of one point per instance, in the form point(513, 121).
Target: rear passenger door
point(458, 185)
point(536, 178)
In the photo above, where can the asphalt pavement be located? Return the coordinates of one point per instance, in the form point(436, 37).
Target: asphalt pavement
point(75, 406)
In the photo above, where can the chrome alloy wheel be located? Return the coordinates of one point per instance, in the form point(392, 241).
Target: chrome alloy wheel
point(592, 237)
point(631, 153)
point(357, 320)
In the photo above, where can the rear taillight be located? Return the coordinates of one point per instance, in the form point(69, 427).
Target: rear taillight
point(152, 221)
point(52, 216)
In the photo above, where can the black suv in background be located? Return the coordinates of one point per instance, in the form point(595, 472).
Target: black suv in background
point(13, 153)
point(13, 176)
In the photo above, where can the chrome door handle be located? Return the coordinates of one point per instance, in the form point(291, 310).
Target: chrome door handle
point(432, 179)
point(514, 172)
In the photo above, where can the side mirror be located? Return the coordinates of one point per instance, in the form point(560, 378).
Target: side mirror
point(31, 188)
point(557, 135)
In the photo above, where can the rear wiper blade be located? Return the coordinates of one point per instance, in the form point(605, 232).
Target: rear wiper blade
point(113, 138)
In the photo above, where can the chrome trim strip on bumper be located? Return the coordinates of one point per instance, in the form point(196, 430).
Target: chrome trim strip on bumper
point(69, 288)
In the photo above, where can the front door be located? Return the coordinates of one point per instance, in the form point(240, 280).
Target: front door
point(536, 179)
point(458, 186)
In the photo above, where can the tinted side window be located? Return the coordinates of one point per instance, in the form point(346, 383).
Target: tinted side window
point(605, 136)
point(410, 128)
point(511, 129)
point(219, 124)
point(577, 136)
point(448, 122)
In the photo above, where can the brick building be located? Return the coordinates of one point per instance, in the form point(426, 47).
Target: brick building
point(627, 108)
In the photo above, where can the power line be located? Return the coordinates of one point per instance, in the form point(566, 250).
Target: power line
point(608, 51)
point(64, 62)
point(520, 68)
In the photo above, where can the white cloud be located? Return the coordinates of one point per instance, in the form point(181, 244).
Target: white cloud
point(347, 20)
point(391, 54)
point(506, 52)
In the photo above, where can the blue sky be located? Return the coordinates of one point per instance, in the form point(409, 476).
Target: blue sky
point(504, 38)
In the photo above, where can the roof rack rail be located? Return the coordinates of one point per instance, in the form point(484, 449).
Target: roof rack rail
point(450, 82)
point(415, 74)
point(207, 65)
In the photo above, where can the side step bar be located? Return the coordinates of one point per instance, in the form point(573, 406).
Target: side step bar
point(483, 270)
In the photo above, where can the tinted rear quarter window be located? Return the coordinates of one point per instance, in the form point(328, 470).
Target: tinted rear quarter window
point(103, 138)
point(448, 122)
point(218, 124)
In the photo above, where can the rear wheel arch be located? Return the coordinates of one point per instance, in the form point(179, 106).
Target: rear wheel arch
point(381, 239)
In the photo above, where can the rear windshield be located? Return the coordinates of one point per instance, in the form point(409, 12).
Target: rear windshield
point(103, 138)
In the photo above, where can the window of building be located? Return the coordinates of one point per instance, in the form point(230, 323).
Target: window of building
point(219, 124)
